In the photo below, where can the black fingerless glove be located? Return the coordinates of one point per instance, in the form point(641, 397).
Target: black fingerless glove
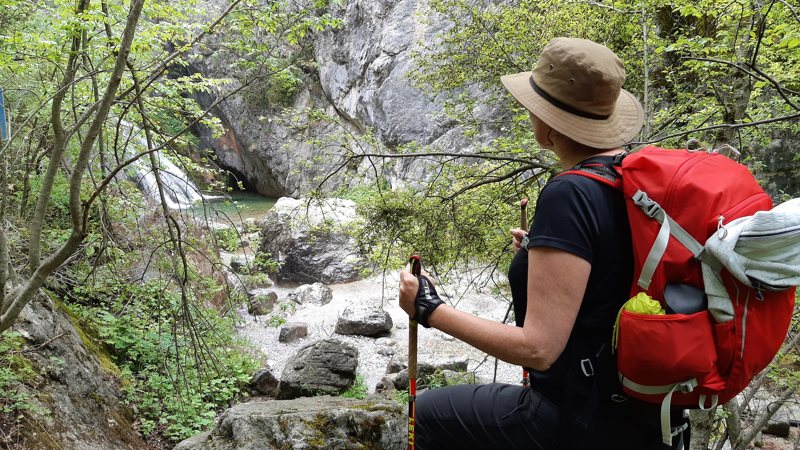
point(427, 300)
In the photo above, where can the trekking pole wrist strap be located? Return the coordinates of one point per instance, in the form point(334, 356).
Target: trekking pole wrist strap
point(426, 302)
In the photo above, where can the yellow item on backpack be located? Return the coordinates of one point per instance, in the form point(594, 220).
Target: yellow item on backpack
point(641, 303)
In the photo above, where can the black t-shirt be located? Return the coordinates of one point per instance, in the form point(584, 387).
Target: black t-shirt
point(587, 218)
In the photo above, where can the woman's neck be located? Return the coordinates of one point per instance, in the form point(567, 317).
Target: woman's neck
point(568, 158)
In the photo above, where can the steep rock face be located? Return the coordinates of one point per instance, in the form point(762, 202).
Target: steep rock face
point(314, 422)
point(368, 319)
point(363, 68)
point(361, 78)
point(322, 367)
point(75, 394)
point(780, 168)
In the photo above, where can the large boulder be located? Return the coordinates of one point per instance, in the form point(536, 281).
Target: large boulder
point(309, 241)
point(306, 423)
point(447, 371)
point(326, 367)
point(263, 382)
point(314, 294)
point(364, 320)
point(292, 331)
point(262, 304)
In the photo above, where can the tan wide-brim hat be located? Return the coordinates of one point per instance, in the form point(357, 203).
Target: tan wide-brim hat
point(576, 88)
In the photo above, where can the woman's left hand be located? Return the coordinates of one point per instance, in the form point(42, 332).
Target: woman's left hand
point(517, 235)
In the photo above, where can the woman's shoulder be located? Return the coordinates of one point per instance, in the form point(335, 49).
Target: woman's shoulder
point(570, 184)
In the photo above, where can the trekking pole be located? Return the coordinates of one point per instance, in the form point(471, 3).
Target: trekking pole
point(523, 223)
point(416, 270)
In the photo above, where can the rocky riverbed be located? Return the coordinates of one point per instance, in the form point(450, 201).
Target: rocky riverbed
point(376, 352)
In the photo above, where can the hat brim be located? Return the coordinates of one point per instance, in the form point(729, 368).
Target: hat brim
point(618, 129)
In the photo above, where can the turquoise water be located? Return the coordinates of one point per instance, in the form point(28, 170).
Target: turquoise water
point(239, 207)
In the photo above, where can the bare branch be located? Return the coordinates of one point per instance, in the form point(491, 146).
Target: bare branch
point(604, 6)
point(36, 349)
point(763, 418)
point(781, 90)
point(762, 27)
point(733, 421)
point(791, 9)
point(737, 66)
point(76, 212)
point(493, 179)
point(5, 263)
point(484, 156)
point(733, 126)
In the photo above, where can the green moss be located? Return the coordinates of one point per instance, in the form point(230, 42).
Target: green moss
point(320, 426)
point(283, 425)
point(106, 361)
point(23, 367)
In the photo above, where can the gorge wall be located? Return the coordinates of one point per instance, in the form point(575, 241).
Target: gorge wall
point(359, 75)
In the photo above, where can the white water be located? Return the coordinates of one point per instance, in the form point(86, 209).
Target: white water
point(179, 191)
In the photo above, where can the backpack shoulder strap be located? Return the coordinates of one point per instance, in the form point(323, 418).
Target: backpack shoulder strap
point(602, 171)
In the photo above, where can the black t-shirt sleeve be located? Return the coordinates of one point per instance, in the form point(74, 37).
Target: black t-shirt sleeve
point(564, 218)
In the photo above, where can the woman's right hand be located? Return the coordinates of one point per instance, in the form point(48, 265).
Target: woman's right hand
point(409, 284)
point(517, 234)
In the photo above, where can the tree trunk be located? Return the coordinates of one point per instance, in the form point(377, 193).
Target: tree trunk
point(702, 427)
point(40, 272)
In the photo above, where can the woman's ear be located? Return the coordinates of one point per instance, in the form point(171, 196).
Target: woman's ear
point(552, 136)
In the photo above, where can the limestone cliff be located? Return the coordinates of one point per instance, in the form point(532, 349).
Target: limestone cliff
point(358, 74)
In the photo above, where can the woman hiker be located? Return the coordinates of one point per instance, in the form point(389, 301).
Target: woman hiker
point(568, 282)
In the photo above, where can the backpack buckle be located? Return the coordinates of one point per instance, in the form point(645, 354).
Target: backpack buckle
point(587, 368)
point(648, 206)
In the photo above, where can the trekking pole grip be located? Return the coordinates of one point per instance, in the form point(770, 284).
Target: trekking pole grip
point(523, 214)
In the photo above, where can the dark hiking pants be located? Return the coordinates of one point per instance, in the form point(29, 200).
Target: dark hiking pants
point(503, 416)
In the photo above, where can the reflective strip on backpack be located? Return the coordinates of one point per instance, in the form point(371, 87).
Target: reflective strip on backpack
point(668, 228)
point(684, 387)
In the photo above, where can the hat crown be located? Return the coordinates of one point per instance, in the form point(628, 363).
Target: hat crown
point(580, 73)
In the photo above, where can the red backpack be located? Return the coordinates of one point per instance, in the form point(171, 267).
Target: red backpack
point(689, 360)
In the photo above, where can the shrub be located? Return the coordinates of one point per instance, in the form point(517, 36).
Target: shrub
point(176, 373)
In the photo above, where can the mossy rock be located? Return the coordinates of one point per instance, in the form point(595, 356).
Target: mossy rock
point(90, 341)
point(311, 422)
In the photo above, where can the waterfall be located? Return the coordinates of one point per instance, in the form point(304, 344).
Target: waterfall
point(179, 191)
